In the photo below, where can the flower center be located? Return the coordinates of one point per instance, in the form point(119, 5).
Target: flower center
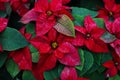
point(54, 45)
point(49, 13)
point(116, 63)
point(110, 14)
point(88, 35)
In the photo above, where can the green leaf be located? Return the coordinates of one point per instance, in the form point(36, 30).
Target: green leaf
point(60, 68)
point(11, 39)
point(3, 57)
point(117, 77)
point(83, 12)
point(27, 75)
point(51, 75)
point(35, 54)
point(12, 68)
point(65, 26)
point(79, 20)
point(99, 22)
point(107, 37)
point(97, 58)
point(3, 14)
point(89, 60)
point(81, 54)
point(54, 73)
point(106, 57)
point(101, 69)
point(95, 76)
point(93, 68)
point(35, 57)
point(30, 28)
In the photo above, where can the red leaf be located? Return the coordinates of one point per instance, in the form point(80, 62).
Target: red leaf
point(29, 16)
point(68, 74)
point(109, 64)
point(3, 24)
point(72, 57)
point(111, 72)
point(23, 58)
point(109, 4)
point(96, 45)
point(89, 23)
point(43, 25)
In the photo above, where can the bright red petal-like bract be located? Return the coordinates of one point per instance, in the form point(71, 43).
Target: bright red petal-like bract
point(3, 24)
point(69, 73)
point(23, 58)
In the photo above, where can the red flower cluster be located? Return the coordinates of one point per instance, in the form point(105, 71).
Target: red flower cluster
point(111, 15)
point(57, 48)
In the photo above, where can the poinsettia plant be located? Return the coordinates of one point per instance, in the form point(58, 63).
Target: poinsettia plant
point(59, 40)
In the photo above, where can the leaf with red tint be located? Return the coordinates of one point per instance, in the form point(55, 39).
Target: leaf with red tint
point(65, 26)
point(23, 58)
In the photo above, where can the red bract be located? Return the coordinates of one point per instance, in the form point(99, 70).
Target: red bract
point(53, 48)
point(2, 7)
point(4, 0)
point(112, 68)
point(111, 10)
point(114, 28)
point(90, 36)
point(116, 59)
point(20, 6)
point(22, 56)
point(45, 14)
point(65, 1)
point(69, 73)
point(3, 24)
